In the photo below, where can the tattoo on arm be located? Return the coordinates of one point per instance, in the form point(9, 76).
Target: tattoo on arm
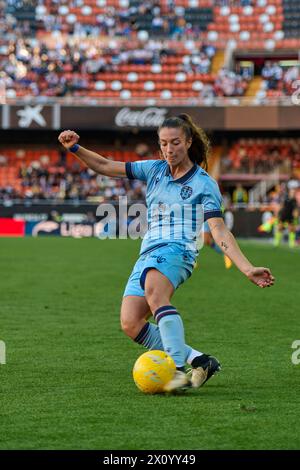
point(224, 245)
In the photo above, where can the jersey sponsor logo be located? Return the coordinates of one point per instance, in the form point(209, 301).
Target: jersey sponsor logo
point(186, 192)
point(159, 259)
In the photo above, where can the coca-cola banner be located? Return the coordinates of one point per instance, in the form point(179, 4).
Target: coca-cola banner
point(148, 117)
point(56, 116)
point(127, 117)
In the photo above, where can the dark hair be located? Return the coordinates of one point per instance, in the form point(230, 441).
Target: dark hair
point(200, 148)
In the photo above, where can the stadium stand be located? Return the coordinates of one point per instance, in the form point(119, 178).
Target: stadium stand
point(48, 174)
point(122, 50)
point(254, 156)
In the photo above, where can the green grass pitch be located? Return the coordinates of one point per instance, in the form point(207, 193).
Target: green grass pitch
point(67, 380)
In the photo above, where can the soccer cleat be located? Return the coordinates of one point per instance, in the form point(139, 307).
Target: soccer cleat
point(180, 381)
point(228, 262)
point(203, 368)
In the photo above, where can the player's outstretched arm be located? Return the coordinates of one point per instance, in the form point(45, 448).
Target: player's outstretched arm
point(260, 276)
point(96, 162)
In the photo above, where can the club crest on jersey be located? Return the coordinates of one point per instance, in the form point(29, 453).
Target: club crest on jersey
point(186, 192)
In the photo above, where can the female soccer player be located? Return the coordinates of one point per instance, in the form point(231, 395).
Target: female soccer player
point(287, 216)
point(169, 248)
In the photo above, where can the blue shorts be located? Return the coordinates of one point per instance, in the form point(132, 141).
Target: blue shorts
point(172, 260)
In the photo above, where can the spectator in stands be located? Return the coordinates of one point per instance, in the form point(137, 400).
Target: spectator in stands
point(294, 182)
point(54, 216)
point(3, 160)
point(142, 150)
point(240, 195)
point(90, 218)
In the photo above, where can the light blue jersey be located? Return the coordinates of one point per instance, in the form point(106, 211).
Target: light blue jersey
point(206, 228)
point(176, 208)
point(170, 244)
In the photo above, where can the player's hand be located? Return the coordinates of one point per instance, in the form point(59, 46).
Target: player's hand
point(262, 277)
point(68, 138)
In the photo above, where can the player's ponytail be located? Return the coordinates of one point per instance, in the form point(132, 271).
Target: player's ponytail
point(200, 148)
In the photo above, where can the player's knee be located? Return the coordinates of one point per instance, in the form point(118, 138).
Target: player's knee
point(127, 327)
point(130, 328)
point(155, 299)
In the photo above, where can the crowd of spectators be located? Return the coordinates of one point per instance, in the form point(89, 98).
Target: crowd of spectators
point(123, 22)
point(55, 55)
point(45, 180)
point(58, 178)
point(74, 185)
point(278, 80)
point(62, 65)
point(262, 156)
point(229, 83)
point(42, 69)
